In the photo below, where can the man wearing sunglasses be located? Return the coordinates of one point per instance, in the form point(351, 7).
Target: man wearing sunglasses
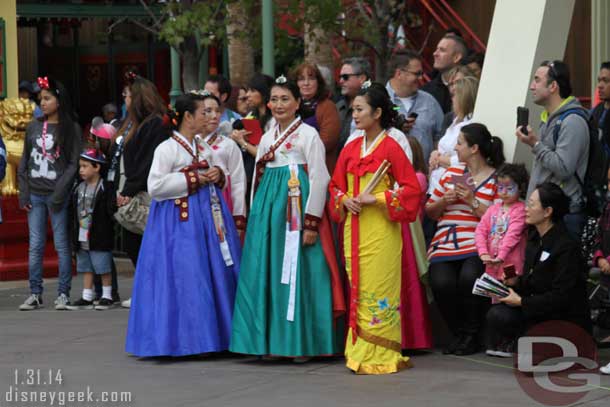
point(403, 88)
point(354, 72)
point(560, 154)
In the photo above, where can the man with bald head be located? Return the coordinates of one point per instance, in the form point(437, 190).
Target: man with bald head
point(449, 51)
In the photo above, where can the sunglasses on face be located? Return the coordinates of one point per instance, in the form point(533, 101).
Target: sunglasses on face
point(346, 76)
point(418, 74)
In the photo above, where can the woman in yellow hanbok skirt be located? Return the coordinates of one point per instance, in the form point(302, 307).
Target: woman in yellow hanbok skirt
point(371, 213)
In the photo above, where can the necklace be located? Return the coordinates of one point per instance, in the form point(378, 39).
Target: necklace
point(46, 155)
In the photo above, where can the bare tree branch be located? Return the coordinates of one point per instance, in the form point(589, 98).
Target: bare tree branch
point(144, 26)
point(363, 42)
point(117, 23)
point(426, 40)
point(157, 22)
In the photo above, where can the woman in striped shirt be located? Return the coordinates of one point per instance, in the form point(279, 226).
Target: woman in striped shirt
point(463, 195)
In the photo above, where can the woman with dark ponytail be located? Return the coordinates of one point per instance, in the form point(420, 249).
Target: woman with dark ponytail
point(463, 195)
point(373, 190)
point(186, 277)
point(46, 175)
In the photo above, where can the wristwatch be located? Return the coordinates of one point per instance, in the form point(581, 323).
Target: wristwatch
point(244, 147)
point(475, 203)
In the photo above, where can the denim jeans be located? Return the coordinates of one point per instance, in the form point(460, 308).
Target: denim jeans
point(37, 223)
point(575, 223)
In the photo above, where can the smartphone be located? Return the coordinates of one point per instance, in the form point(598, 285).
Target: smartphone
point(509, 271)
point(523, 118)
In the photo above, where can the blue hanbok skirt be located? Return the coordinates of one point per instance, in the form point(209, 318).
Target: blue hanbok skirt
point(183, 293)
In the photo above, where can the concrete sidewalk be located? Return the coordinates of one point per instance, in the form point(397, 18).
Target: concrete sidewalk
point(87, 347)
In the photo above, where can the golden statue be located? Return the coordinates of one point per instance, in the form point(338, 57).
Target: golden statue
point(15, 115)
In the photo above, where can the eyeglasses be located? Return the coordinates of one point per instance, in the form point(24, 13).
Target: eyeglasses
point(346, 76)
point(418, 74)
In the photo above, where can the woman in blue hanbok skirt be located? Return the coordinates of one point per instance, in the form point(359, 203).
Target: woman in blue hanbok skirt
point(186, 277)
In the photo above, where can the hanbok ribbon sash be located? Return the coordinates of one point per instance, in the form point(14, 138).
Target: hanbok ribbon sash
point(292, 241)
point(270, 155)
point(219, 226)
point(188, 148)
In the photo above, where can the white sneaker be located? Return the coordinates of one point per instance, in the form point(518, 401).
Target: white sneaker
point(34, 301)
point(605, 369)
point(62, 302)
point(126, 303)
point(491, 352)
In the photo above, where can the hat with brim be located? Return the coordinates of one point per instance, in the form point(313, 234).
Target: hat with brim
point(105, 131)
point(91, 154)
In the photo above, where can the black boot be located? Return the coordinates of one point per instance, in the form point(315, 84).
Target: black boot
point(453, 346)
point(468, 346)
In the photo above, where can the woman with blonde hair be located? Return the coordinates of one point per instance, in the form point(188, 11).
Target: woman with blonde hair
point(463, 100)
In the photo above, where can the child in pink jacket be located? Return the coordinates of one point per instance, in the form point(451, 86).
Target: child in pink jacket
point(501, 234)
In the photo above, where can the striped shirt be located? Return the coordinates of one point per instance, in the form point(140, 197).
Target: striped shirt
point(454, 238)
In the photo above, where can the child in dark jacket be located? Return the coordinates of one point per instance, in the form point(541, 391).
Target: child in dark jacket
point(92, 207)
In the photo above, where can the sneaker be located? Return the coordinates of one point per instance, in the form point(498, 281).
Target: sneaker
point(126, 303)
point(506, 349)
point(491, 352)
point(62, 302)
point(80, 304)
point(96, 300)
point(605, 369)
point(116, 298)
point(104, 304)
point(34, 301)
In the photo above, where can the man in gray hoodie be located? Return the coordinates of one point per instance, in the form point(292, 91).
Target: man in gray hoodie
point(559, 159)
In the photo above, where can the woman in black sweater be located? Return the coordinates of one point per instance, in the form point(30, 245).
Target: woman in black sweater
point(553, 285)
point(142, 132)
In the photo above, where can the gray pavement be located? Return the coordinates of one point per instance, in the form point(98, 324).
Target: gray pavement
point(87, 347)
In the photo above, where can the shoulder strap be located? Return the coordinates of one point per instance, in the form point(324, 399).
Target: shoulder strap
point(579, 112)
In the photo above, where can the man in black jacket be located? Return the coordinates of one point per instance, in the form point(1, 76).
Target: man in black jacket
point(600, 112)
point(449, 51)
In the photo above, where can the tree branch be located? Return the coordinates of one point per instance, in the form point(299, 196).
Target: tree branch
point(144, 26)
point(116, 23)
point(363, 42)
point(426, 40)
point(363, 12)
point(157, 22)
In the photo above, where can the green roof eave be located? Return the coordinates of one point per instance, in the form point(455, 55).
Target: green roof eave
point(81, 11)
